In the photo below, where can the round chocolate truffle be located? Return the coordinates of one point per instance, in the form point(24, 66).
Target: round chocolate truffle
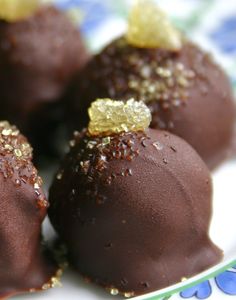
point(38, 56)
point(133, 205)
point(186, 91)
point(25, 265)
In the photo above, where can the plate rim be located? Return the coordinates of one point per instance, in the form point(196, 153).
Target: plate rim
point(191, 282)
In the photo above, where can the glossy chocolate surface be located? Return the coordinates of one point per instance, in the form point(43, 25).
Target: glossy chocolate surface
point(134, 210)
point(24, 265)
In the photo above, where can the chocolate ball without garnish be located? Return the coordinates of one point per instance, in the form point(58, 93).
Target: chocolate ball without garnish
point(132, 204)
point(39, 54)
point(25, 265)
point(186, 91)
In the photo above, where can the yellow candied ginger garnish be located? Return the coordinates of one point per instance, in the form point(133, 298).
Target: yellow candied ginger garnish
point(14, 10)
point(108, 117)
point(149, 27)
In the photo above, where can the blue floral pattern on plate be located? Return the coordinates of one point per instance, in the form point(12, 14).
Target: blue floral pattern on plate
point(93, 13)
point(225, 281)
point(223, 35)
point(200, 291)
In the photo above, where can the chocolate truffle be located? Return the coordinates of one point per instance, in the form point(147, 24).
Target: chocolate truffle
point(132, 204)
point(24, 264)
point(186, 91)
point(38, 56)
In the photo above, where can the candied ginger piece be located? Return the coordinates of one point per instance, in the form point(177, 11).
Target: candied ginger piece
point(149, 27)
point(14, 10)
point(108, 116)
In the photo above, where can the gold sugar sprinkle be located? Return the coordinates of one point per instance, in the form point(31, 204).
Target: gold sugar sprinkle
point(72, 143)
point(129, 294)
point(15, 145)
point(91, 144)
point(54, 281)
point(36, 186)
point(158, 145)
point(17, 182)
point(114, 292)
point(18, 152)
point(15, 132)
point(59, 176)
point(46, 286)
point(106, 141)
point(6, 131)
point(8, 147)
point(5, 124)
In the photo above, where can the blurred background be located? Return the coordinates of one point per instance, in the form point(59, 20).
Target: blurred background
point(211, 23)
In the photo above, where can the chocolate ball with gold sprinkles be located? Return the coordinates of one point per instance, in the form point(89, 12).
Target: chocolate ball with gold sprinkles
point(186, 91)
point(40, 51)
point(25, 265)
point(132, 204)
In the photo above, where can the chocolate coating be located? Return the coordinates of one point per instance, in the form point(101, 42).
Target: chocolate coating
point(134, 210)
point(38, 57)
point(24, 265)
point(188, 94)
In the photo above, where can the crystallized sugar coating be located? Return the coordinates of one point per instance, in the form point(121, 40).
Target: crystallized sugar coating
point(16, 161)
point(13, 10)
point(149, 27)
point(108, 117)
point(165, 82)
point(13, 143)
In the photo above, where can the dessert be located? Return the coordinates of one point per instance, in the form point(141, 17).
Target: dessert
point(132, 204)
point(186, 91)
point(25, 263)
point(40, 50)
